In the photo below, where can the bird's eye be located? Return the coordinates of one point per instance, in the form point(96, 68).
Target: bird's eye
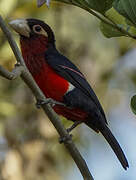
point(37, 28)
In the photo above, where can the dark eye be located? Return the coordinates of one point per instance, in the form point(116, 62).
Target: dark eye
point(37, 28)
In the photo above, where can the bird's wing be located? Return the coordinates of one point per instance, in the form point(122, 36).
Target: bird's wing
point(71, 73)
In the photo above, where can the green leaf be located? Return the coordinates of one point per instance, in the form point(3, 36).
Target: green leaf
point(129, 22)
point(109, 31)
point(115, 16)
point(120, 21)
point(133, 104)
point(98, 5)
point(127, 8)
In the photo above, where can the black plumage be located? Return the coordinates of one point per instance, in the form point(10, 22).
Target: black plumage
point(83, 97)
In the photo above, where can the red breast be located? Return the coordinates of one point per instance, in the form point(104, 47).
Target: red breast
point(50, 83)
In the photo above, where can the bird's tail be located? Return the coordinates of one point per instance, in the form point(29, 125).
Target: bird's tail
point(115, 146)
point(105, 131)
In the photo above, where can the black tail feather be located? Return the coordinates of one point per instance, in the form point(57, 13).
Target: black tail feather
point(115, 146)
point(105, 131)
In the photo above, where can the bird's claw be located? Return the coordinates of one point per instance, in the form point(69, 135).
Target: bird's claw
point(65, 138)
point(50, 101)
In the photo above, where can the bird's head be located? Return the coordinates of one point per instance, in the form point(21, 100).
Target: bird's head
point(30, 28)
point(33, 32)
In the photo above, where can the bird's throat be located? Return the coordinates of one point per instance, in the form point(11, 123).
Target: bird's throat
point(33, 51)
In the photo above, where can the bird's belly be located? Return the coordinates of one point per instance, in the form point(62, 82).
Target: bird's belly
point(51, 84)
point(74, 114)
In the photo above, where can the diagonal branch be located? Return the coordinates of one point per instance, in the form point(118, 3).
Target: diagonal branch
point(53, 117)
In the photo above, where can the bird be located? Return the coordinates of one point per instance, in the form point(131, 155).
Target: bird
point(61, 81)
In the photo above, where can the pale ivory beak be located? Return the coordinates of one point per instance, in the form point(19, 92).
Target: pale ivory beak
point(20, 26)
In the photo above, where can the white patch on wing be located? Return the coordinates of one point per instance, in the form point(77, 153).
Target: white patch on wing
point(70, 88)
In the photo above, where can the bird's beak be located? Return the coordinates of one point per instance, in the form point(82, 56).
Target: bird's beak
point(21, 27)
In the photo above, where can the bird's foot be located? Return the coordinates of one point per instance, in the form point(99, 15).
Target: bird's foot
point(65, 139)
point(76, 123)
point(50, 101)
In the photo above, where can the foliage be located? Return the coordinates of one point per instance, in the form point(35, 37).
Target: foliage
point(126, 9)
point(133, 104)
point(109, 25)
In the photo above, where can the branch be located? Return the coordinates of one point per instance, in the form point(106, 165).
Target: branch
point(102, 17)
point(53, 117)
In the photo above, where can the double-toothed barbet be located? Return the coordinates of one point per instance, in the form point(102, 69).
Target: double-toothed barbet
point(61, 80)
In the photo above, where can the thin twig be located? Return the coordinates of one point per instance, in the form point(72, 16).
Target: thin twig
point(11, 41)
point(106, 20)
point(6, 74)
point(26, 76)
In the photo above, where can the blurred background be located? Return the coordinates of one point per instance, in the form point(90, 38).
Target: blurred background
point(29, 148)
